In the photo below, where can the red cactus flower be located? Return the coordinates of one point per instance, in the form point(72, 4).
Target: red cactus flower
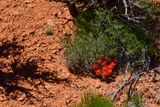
point(99, 61)
point(104, 73)
point(109, 71)
point(98, 71)
point(104, 63)
point(111, 66)
point(105, 68)
point(95, 66)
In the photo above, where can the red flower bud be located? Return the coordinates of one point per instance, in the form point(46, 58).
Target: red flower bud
point(98, 71)
point(104, 63)
point(95, 66)
point(105, 74)
point(109, 71)
point(105, 68)
point(99, 61)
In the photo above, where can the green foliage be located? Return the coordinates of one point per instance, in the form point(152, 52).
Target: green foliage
point(100, 34)
point(152, 7)
point(135, 101)
point(49, 32)
point(94, 100)
point(66, 39)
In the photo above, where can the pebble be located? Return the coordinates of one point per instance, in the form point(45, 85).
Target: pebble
point(22, 97)
point(98, 86)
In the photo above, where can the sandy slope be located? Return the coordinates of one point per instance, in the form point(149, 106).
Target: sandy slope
point(45, 80)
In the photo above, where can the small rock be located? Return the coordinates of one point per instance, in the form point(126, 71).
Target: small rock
point(32, 5)
point(98, 86)
point(75, 96)
point(50, 22)
point(158, 101)
point(48, 86)
point(43, 105)
point(1, 20)
point(1, 30)
point(13, 95)
point(68, 101)
point(27, 1)
point(64, 74)
point(22, 97)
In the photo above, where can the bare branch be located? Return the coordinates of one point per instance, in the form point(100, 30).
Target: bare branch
point(126, 7)
point(133, 79)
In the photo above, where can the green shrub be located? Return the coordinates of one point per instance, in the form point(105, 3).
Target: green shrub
point(135, 101)
point(152, 7)
point(49, 32)
point(94, 100)
point(99, 35)
point(66, 39)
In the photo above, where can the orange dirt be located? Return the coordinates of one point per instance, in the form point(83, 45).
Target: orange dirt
point(42, 78)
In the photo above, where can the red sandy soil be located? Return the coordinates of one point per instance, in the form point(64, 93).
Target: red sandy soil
point(23, 23)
